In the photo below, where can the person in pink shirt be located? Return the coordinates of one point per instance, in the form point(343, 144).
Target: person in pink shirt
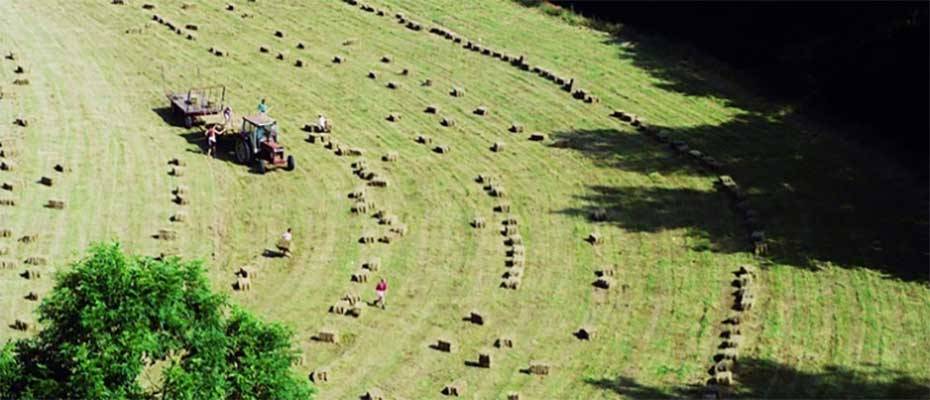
point(381, 291)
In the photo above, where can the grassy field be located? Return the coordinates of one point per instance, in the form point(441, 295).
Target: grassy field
point(836, 316)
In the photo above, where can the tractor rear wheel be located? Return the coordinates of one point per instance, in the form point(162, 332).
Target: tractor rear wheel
point(243, 152)
point(290, 163)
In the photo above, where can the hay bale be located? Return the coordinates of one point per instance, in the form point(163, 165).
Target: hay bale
point(515, 128)
point(179, 216)
point(247, 272)
point(431, 109)
point(366, 238)
point(280, 56)
point(22, 122)
point(517, 250)
point(176, 162)
point(504, 342)
point(301, 46)
point(476, 317)
point(7, 186)
point(338, 60)
point(537, 137)
point(299, 63)
point(8, 202)
point(378, 182)
point(45, 181)
point(509, 230)
point(586, 332)
point(360, 276)
point(388, 220)
point(422, 139)
point(55, 204)
point(279, 34)
point(21, 325)
point(219, 53)
point(447, 122)
point(319, 376)
point(513, 396)
point(442, 149)
point(26, 239)
point(723, 378)
point(497, 191)
point(191, 27)
point(242, 284)
point(509, 221)
point(386, 59)
point(327, 336)
point(7, 264)
point(539, 368)
point(604, 282)
point(605, 272)
point(399, 230)
point(373, 264)
point(392, 85)
point(512, 283)
point(457, 92)
point(373, 394)
point(181, 200)
point(745, 270)
point(355, 151)
point(176, 171)
point(484, 358)
point(230, 7)
point(31, 274)
point(405, 72)
point(516, 261)
point(148, 6)
point(595, 238)
point(512, 272)
point(478, 223)
point(31, 296)
point(444, 345)
point(167, 234)
point(393, 117)
point(497, 147)
point(502, 208)
point(5, 233)
point(454, 389)
point(390, 156)
point(19, 70)
point(180, 190)
point(481, 111)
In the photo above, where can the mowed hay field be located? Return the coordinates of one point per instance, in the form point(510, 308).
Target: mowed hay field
point(831, 317)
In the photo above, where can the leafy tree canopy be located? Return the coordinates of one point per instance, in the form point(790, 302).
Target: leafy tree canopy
point(113, 318)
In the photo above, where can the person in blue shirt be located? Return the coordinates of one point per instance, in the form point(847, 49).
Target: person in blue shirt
point(262, 107)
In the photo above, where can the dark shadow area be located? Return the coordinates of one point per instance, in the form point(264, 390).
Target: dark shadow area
point(168, 116)
point(757, 378)
point(815, 203)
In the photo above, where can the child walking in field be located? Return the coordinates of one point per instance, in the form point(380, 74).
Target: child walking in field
point(381, 291)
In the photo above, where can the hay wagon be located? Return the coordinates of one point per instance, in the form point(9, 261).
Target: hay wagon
point(196, 103)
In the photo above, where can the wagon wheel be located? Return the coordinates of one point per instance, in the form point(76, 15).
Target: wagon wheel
point(243, 152)
point(188, 121)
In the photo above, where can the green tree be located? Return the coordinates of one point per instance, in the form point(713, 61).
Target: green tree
point(113, 317)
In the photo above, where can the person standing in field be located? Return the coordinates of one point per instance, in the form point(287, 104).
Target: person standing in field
point(262, 107)
point(381, 291)
point(285, 244)
point(211, 141)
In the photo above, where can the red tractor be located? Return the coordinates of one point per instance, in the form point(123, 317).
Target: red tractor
point(257, 143)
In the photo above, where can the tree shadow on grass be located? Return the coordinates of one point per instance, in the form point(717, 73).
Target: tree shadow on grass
point(814, 205)
point(757, 378)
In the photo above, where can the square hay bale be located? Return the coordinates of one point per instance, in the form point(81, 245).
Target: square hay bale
point(299, 63)
point(387, 220)
point(366, 238)
point(242, 284)
point(486, 51)
point(6, 232)
point(454, 389)
point(586, 332)
point(45, 181)
point(178, 217)
point(442, 149)
point(513, 396)
point(176, 162)
point(341, 307)
point(392, 85)
point(31, 274)
point(484, 358)
point(605, 272)
point(360, 207)
point(537, 137)
point(405, 71)
point(504, 342)
point(386, 239)
point(502, 208)
point(355, 151)
point(358, 193)
point(263, 49)
point(21, 325)
point(390, 156)
point(327, 336)
point(21, 82)
point(372, 75)
point(181, 200)
point(22, 122)
point(539, 368)
point(55, 204)
point(373, 394)
point(386, 59)
point(352, 298)
point(595, 238)
point(457, 92)
point(220, 53)
point(26, 239)
point(478, 223)
point(230, 7)
point(7, 264)
point(338, 60)
point(444, 345)
point(360, 276)
point(176, 171)
point(604, 282)
point(512, 283)
point(247, 272)
point(431, 109)
point(723, 378)
point(279, 34)
point(509, 230)
point(8, 202)
point(497, 191)
point(512, 272)
point(180, 190)
point(515, 261)
point(497, 147)
point(482, 110)
point(393, 117)
point(280, 56)
point(148, 6)
point(516, 250)
point(167, 234)
point(378, 182)
point(447, 122)
point(31, 296)
point(319, 376)
point(399, 230)
point(745, 270)
point(191, 27)
point(509, 221)
point(476, 317)
point(513, 240)
point(7, 186)
point(422, 139)
point(373, 264)
point(301, 46)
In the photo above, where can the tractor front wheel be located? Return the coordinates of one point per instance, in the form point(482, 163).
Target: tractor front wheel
point(260, 166)
point(290, 163)
point(243, 152)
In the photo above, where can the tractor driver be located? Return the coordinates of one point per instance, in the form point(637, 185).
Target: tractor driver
point(258, 138)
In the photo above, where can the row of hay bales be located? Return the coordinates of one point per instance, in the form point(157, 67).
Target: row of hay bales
point(731, 332)
point(724, 183)
point(176, 28)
